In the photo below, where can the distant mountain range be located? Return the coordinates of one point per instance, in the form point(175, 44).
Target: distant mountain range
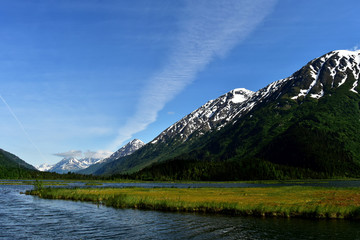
point(88, 165)
point(306, 125)
point(74, 160)
point(69, 164)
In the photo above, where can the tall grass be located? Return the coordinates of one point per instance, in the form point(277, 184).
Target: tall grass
point(294, 201)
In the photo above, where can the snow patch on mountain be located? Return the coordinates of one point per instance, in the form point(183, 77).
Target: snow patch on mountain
point(126, 150)
point(212, 115)
point(354, 86)
point(336, 64)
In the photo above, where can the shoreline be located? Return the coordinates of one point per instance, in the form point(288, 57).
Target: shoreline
point(286, 202)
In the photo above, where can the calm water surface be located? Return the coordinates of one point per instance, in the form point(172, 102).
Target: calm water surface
point(28, 217)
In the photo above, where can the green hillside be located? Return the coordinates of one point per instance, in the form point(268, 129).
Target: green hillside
point(12, 166)
point(277, 140)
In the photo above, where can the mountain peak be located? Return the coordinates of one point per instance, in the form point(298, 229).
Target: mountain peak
point(347, 53)
point(240, 95)
point(135, 141)
point(128, 149)
point(327, 72)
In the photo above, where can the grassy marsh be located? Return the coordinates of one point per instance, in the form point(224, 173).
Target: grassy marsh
point(294, 201)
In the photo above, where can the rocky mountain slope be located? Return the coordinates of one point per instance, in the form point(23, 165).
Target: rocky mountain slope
point(212, 115)
point(126, 150)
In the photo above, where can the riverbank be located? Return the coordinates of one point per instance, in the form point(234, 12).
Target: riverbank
point(293, 201)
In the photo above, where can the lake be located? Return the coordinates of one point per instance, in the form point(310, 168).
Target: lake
point(28, 217)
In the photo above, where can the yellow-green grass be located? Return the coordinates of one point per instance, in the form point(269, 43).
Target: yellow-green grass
point(293, 201)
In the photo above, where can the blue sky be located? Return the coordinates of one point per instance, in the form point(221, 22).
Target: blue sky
point(90, 75)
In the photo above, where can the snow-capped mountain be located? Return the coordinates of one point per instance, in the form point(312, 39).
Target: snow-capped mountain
point(327, 72)
point(212, 115)
point(44, 167)
point(315, 79)
point(321, 77)
point(126, 150)
point(68, 165)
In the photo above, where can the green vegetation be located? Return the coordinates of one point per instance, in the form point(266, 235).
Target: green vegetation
point(38, 185)
point(295, 201)
point(182, 169)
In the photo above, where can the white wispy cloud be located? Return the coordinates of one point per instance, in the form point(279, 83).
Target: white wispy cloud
point(98, 154)
point(208, 29)
point(71, 153)
point(88, 154)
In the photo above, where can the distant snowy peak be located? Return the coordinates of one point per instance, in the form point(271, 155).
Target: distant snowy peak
point(44, 167)
point(126, 150)
point(328, 72)
point(212, 115)
point(70, 164)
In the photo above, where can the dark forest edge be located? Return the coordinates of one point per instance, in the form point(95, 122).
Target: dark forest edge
point(256, 169)
point(190, 170)
point(24, 173)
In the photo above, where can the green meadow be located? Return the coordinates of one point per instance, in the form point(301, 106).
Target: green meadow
point(289, 201)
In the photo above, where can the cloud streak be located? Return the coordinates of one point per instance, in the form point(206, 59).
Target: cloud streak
point(208, 29)
point(69, 154)
point(101, 154)
point(22, 127)
point(88, 154)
